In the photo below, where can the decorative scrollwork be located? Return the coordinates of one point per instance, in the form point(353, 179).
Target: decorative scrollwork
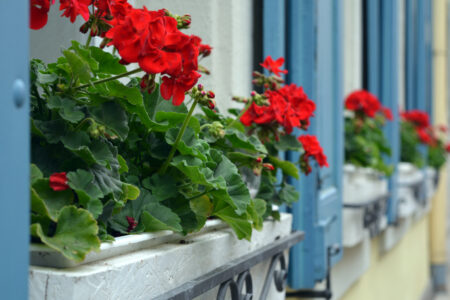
point(236, 287)
point(279, 276)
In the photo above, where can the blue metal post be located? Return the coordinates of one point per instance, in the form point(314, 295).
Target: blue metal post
point(14, 149)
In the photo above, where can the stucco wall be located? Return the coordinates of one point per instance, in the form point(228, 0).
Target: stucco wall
point(226, 25)
point(400, 274)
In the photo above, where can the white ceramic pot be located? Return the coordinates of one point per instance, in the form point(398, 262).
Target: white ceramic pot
point(146, 265)
point(360, 185)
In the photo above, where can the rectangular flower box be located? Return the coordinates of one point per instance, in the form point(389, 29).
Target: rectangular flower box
point(144, 266)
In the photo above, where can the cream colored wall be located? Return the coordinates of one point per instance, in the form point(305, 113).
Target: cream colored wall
point(400, 274)
point(438, 220)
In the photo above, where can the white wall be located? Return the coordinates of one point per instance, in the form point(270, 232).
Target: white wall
point(226, 25)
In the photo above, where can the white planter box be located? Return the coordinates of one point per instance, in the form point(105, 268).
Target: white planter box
point(360, 185)
point(408, 177)
point(158, 263)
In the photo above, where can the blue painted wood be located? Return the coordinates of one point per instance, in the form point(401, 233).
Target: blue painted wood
point(274, 42)
point(14, 150)
point(410, 53)
point(389, 93)
point(274, 14)
point(374, 46)
point(421, 58)
point(314, 62)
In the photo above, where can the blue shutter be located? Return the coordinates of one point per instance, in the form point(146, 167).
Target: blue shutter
point(382, 54)
point(14, 149)
point(314, 60)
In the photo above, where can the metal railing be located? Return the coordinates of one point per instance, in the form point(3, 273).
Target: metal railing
point(224, 276)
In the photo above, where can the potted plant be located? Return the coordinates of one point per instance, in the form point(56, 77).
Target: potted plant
point(423, 146)
point(365, 170)
point(120, 162)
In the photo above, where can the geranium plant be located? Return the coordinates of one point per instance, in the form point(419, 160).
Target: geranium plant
point(113, 157)
point(365, 143)
point(417, 131)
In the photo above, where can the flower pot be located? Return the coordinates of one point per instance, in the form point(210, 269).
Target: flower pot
point(145, 266)
point(360, 187)
point(431, 182)
point(409, 190)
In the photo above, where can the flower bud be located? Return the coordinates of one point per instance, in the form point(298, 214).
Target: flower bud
point(253, 94)
point(203, 93)
point(211, 94)
point(259, 160)
point(268, 167)
point(211, 104)
point(200, 87)
point(85, 27)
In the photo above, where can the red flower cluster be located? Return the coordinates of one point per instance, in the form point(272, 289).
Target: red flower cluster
point(367, 103)
point(58, 181)
point(421, 122)
point(418, 117)
point(73, 8)
point(312, 149)
point(274, 65)
point(288, 106)
point(152, 39)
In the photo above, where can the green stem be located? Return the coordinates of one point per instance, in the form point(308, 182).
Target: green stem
point(199, 195)
point(178, 139)
point(83, 122)
point(238, 118)
point(109, 79)
point(88, 42)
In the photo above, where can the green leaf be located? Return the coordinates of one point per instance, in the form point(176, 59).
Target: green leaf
point(53, 130)
point(236, 192)
point(123, 164)
point(241, 141)
point(289, 142)
point(256, 211)
point(130, 192)
point(108, 180)
point(47, 202)
point(67, 109)
point(163, 187)
point(288, 194)
point(132, 209)
point(80, 68)
point(36, 174)
point(82, 180)
point(202, 206)
point(108, 63)
point(195, 170)
point(112, 116)
point(75, 235)
point(239, 223)
point(131, 94)
point(85, 54)
point(189, 144)
point(157, 217)
point(286, 166)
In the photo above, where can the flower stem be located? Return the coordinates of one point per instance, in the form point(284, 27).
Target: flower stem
point(247, 106)
point(109, 78)
point(88, 41)
point(178, 139)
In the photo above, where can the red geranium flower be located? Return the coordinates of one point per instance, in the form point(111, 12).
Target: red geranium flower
point(288, 106)
point(447, 148)
point(387, 113)
point(58, 181)
point(153, 40)
point(363, 101)
point(131, 223)
point(443, 128)
point(204, 50)
point(425, 136)
point(312, 149)
point(418, 117)
point(39, 13)
point(274, 66)
point(73, 8)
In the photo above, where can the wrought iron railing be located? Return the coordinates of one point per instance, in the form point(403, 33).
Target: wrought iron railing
point(236, 275)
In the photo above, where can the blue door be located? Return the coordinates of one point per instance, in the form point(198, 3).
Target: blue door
point(314, 62)
point(14, 149)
